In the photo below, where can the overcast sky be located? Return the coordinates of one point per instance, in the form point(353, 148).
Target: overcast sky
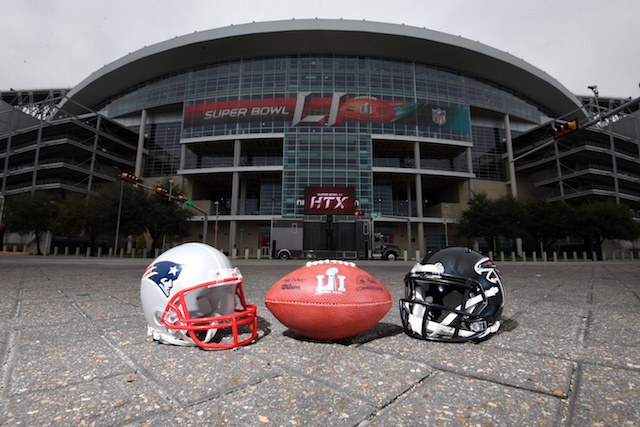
point(55, 44)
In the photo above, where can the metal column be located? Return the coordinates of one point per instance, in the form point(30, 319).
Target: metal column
point(614, 163)
point(36, 160)
point(92, 168)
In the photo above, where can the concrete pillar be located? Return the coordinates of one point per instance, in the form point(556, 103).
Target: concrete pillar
point(139, 152)
point(419, 199)
point(512, 170)
point(235, 196)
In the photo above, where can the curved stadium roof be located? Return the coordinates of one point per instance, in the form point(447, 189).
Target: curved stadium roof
point(320, 36)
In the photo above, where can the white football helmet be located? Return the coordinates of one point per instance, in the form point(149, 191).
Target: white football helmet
point(189, 296)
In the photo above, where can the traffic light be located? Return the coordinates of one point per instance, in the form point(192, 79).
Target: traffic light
point(565, 128)
point(182, 198)
point(129, 177)
point(162, 191)
point(358, 213)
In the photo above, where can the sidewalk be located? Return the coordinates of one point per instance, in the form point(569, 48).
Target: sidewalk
point(74, 351)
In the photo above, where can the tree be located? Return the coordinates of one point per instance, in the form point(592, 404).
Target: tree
point(490, 219)
point(79, 214)
point(511, 217)
point(133, 208)
point(480, 220)
point(548, 222)
point(31, 213)
point(598, 221)
point(164, 217)
point(96, 215)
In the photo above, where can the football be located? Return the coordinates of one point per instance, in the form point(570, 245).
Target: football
point(328, 300)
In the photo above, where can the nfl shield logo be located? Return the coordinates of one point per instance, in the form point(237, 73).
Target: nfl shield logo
point(439, 116)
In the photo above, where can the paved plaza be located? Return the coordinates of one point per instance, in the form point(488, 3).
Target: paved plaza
point(74, 352)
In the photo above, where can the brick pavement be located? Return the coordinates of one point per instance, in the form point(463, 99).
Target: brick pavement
point(74, 351)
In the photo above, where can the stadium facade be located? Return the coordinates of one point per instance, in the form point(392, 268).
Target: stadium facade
point(407, 122)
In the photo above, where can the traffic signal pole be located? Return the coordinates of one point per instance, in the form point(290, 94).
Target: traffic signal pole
point(586, 124)
point(180, 198)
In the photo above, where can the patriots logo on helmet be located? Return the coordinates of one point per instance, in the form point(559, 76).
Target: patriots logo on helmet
point(163, 273)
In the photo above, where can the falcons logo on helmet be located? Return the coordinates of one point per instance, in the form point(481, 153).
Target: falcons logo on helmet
point(489, 269)
point(163, 273)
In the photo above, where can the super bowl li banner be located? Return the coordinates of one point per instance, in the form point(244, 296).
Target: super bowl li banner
point(309, 110)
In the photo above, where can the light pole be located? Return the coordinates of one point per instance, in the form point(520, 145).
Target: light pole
point(115, 245)
point(164, 236)
point(408, 228)
point(215, 234)
point(115, 249)
point(594, 89)
point(446, 231)
point(2, 199)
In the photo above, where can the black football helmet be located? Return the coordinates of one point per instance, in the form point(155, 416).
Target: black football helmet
point(454, 295)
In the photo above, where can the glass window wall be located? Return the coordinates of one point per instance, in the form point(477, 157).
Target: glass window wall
point(374, 95)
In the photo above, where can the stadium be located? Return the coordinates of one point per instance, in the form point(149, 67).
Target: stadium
point(330, 130)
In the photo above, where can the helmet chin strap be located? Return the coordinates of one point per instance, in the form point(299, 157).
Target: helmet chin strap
point(210, 334)
point(419, 309)
point(471, 303)
point(493, 328)
point(170, 337)
point(440, 329)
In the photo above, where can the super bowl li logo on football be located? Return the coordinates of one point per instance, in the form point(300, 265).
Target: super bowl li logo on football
point(330, 282)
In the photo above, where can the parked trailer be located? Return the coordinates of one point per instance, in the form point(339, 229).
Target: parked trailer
point(287, 238)
point(295, 238)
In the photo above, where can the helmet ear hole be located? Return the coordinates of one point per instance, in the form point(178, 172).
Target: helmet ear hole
point(157, 316)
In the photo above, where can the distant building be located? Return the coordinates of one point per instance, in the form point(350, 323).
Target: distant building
point(74, 153)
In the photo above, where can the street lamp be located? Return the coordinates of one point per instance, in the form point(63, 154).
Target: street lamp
point(164, 236)
point(115, 249)
point(408, 228)
point(594, 89)
point(2, 199)
point(446, 231)
point(215, 238)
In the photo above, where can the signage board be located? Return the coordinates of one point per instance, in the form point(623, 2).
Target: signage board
point(329, 201)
